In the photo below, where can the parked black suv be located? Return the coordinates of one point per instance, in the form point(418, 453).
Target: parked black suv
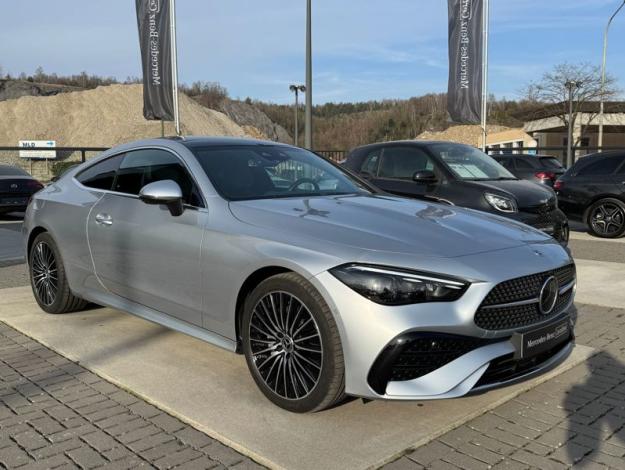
point(460, 175)
point(593, 191)
point(542, 169)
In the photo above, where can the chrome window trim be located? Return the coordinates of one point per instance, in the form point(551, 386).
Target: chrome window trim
point(135, 196)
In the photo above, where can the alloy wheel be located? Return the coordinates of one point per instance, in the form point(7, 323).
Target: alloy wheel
point(607, 219)
point(45, 273)
point(286, 345)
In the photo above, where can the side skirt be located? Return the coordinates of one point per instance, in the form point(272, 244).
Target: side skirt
point(119, 303)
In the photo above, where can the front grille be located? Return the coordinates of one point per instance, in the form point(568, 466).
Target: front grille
point(491, 317)
point(417, 354)
point(426, 355)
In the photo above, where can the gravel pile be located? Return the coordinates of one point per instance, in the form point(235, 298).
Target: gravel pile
point(463, 134)
point(106, 116)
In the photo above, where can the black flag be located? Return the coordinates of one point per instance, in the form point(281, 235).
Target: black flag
point(464, 95)
point(153, 18)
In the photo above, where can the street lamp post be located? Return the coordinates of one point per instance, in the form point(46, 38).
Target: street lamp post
point(603, 74)
point(571, 86)
point(296, 89)
point(308, 137)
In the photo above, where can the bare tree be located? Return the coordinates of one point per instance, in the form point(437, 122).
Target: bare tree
point(551, 90)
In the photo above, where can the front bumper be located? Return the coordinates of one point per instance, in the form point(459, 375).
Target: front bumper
point(368, 330)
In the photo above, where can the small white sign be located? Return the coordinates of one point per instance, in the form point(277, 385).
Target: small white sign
point(26, 144)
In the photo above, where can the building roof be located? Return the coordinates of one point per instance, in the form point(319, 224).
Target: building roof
point(591, 107)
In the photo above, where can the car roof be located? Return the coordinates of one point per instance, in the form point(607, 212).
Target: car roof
point(206, 141)
point(414, 143)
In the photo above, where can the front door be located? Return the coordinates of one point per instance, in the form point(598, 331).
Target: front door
point(396, 170)
point(143, 253)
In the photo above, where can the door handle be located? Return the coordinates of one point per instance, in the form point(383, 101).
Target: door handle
point(103, 219)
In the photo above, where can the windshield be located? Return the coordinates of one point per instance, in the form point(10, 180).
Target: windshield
point(268, 172)
point(11, 171)
point(469, 163)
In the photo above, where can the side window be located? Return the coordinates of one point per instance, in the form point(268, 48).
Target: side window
point(603, 166)
point(404, 162)
point(370, 165)
point(523, 164)
point(101, 175)
point(143, 167)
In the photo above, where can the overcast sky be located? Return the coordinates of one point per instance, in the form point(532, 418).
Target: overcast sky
point(363, 49)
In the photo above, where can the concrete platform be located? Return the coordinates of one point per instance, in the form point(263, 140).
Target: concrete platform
point(212, 390)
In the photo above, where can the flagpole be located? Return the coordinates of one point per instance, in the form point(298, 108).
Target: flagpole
point(485, 26)
point(174, 63)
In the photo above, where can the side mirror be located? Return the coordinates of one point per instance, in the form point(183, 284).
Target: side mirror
point(425, 176)
point(165, 192)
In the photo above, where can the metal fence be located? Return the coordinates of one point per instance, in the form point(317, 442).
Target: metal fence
point(44, 169)
point(334, 155)
point(558, 152)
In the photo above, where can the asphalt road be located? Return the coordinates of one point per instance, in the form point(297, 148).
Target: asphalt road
point(11, 250)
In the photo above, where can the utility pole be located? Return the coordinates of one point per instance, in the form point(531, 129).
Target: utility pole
point(174, 64)
point(603, 74)
point(571, 86)
point(296, 89)
point(308, 137)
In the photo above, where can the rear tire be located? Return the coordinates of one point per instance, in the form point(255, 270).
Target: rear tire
point(292, 345)
point(606, 218)
point(48, 278)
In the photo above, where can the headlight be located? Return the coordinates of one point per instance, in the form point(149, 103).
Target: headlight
point(390, 286)
point(501, 203)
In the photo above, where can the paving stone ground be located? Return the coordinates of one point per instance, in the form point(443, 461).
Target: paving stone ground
point(56, 414)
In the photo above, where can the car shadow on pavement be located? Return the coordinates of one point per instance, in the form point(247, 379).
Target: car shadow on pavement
point(596, 420)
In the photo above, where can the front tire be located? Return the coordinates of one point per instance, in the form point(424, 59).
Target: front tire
point(292, 345)
point(606, 218)
point(48, 278)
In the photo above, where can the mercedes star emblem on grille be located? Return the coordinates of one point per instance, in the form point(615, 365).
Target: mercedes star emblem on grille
point(548, 295)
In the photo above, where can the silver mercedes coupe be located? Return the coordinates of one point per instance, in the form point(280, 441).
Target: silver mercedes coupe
point(327, 285)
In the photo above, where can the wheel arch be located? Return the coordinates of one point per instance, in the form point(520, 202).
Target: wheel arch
point(250, 283)
point(36, 231)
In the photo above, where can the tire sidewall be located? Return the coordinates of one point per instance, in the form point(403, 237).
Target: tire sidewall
point(592, 209)
point(56, 306)
point(318, 308)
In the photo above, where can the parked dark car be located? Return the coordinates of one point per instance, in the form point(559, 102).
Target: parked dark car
point(460, 175)
point(16, 189)
point(593, 191)
point(542, 169)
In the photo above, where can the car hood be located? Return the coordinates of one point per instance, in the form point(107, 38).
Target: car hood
point(526, 193)
point(388, 224)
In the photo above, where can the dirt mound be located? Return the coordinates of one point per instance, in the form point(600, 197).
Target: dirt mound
point(106, 116)
point(464, 134)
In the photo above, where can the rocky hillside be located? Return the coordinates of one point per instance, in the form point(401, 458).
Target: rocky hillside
point(245, 115)
point(13, 89)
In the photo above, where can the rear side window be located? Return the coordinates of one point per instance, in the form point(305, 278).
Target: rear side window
point(506, 162)
point(602, 166)
point(142, 167)
point(551, 162)
point(102, 174)
point(522, 164)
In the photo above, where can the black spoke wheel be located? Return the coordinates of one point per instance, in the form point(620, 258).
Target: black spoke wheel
point(48, 277)
point(286, 345)
point(606, 218)
point(45, 273)
point(291, 344)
